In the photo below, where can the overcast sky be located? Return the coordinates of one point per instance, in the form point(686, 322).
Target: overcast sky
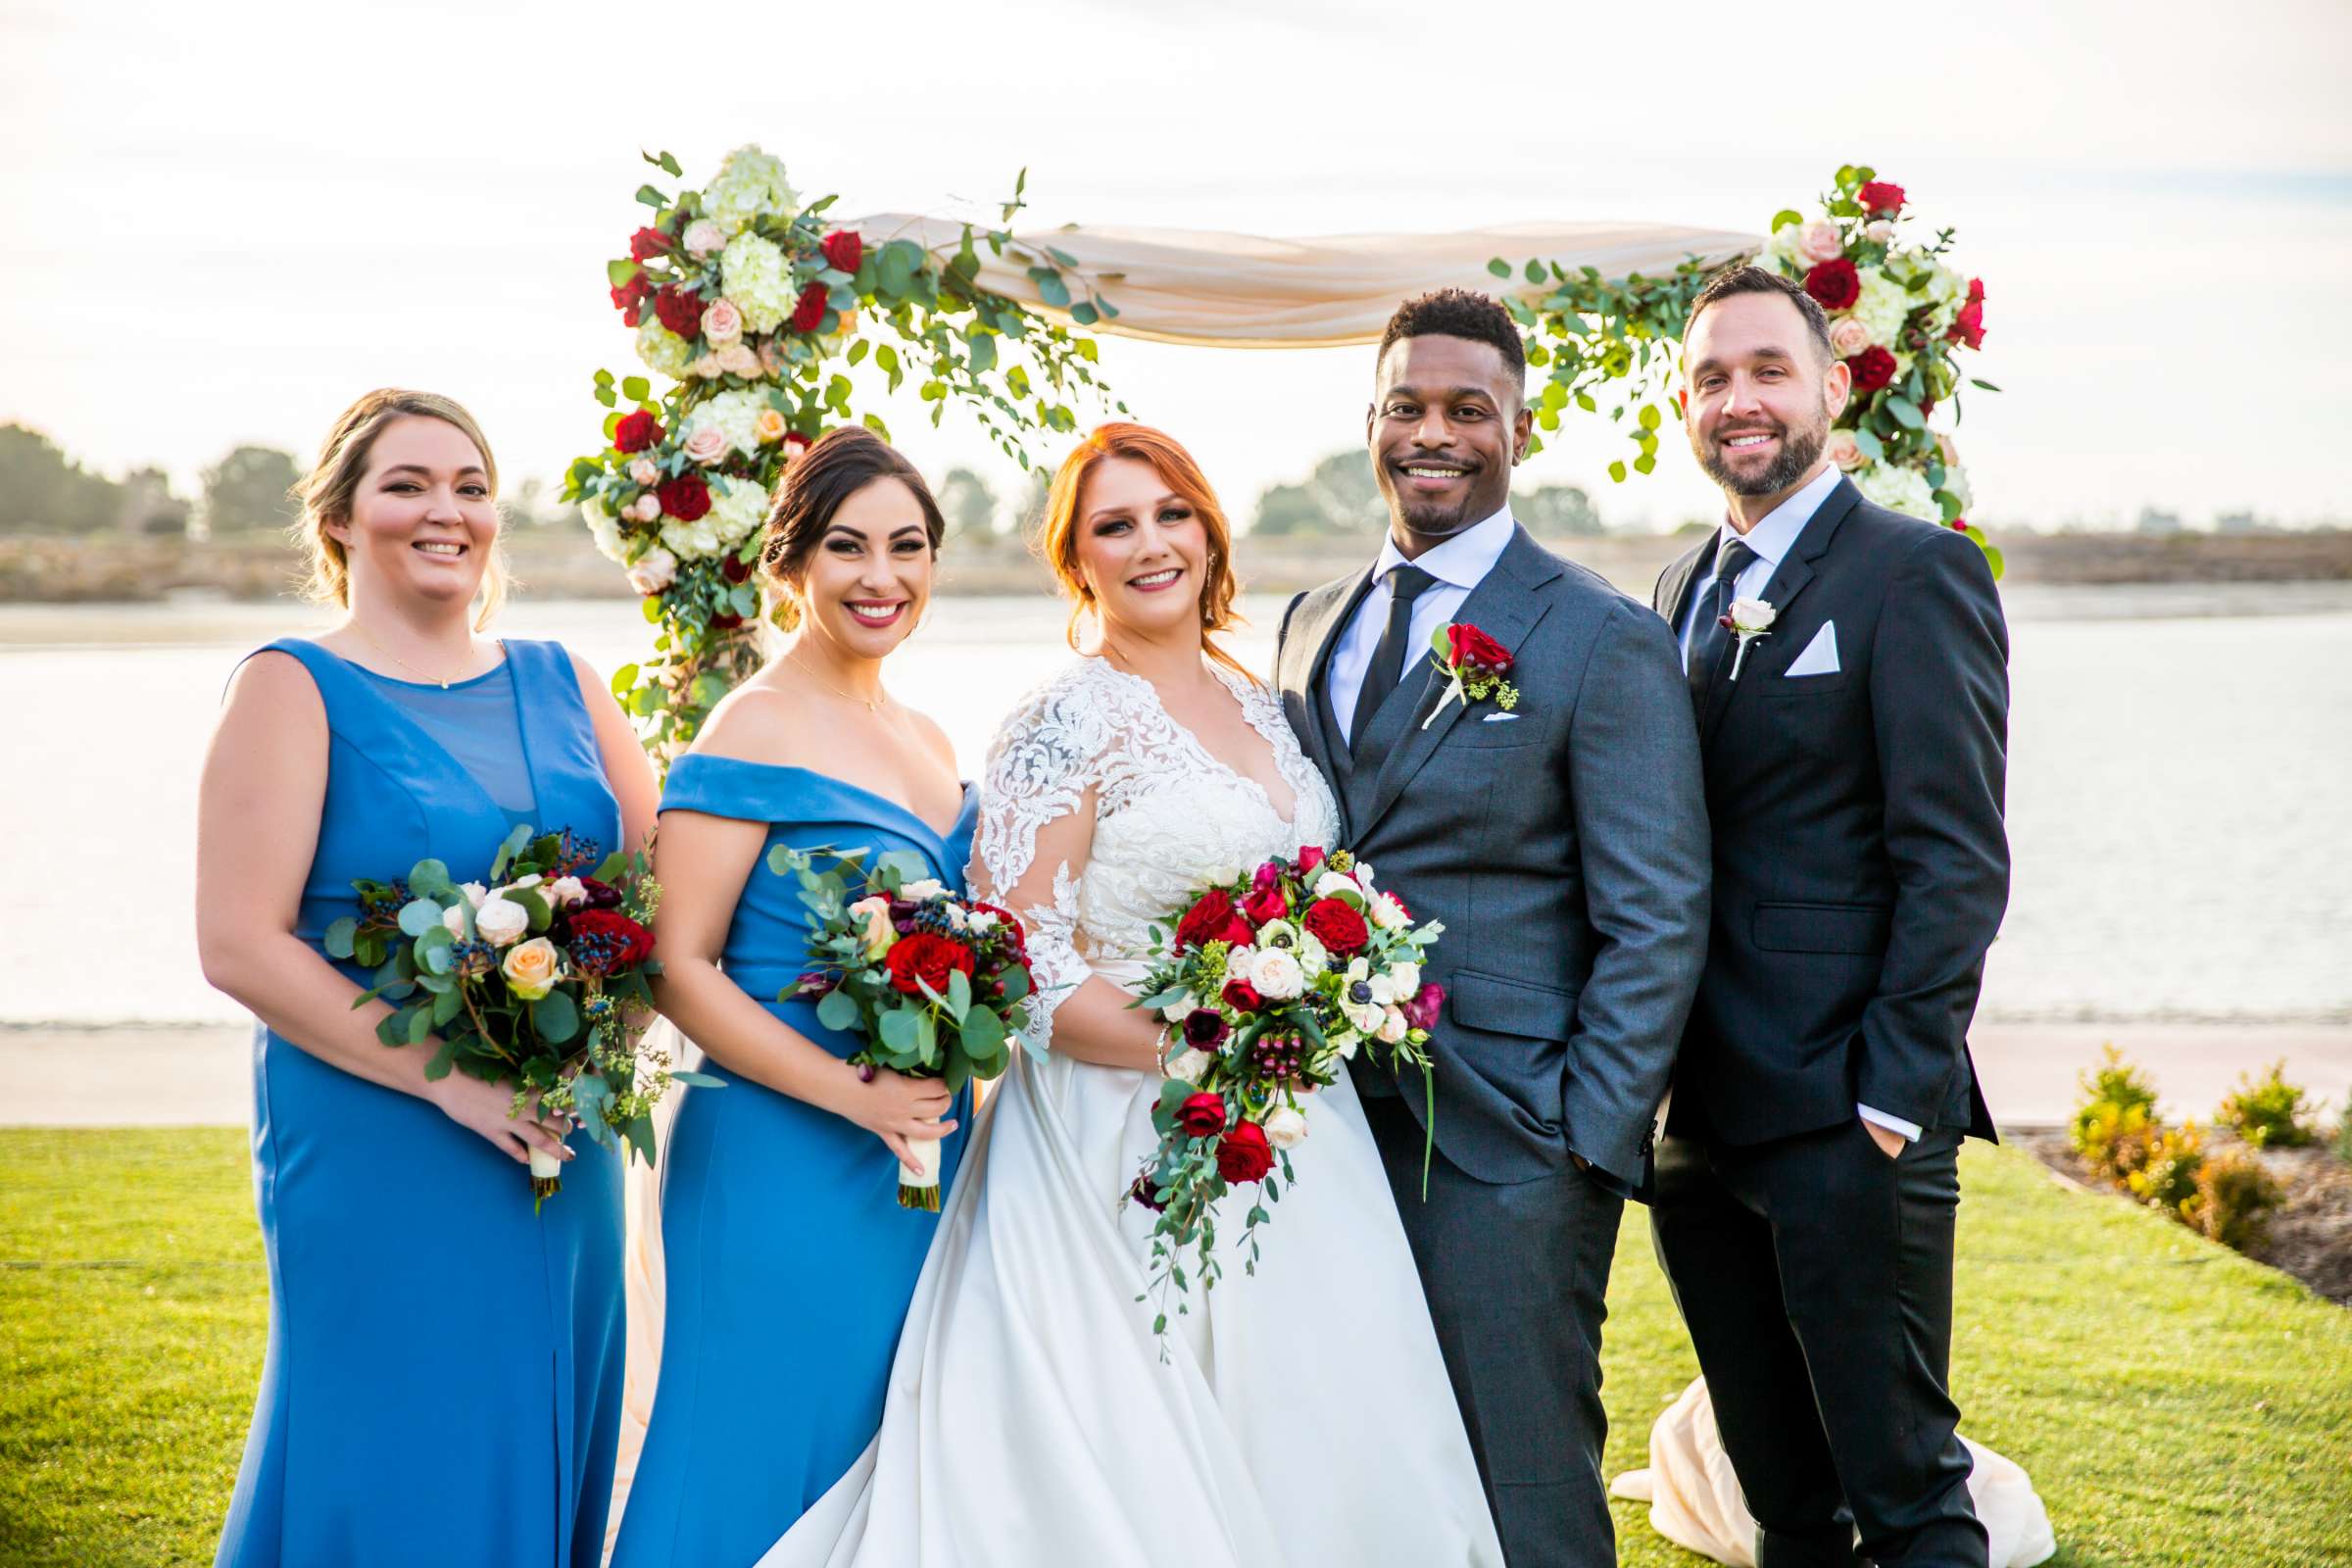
point(223, 221)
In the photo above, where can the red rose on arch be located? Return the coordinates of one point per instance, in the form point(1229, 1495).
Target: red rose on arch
point(929, 958)
point(734, 569)
point(1244, 1155)
point(1877, 196)
point(636, 431)
point(628, 296)
point(685, 498)
point(680, 310)
point(648, 243)
point(1835, 284)
point(810, 314)
point(1873, 368)
point(844, 249)
point(1969, 325)
point(607, 942)
point(1201, 1115)
point(1468, 646)
point(1340, 929)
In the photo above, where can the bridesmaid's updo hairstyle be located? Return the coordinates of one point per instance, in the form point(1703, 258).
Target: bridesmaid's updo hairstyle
point(841, 464)
point(1058, 535)
point(326, 493)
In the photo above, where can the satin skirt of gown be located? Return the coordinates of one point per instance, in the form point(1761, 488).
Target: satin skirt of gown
point(1301, 1416)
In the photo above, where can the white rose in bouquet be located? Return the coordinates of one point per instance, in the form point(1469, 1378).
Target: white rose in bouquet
point(1286, 1128)
point(722, 323)
point(1392, 1027)
point(1189, 1065)
point(1178, 1010)
point(922, 888)
point(474, 891)
point(703, 237)
point(706, 445)
point(1818, 241)
point(1277, 975)
point(567, 892)
point(1337, 885)
point(501, 921)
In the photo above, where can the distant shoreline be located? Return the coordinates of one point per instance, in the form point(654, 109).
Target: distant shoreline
point(560, 564)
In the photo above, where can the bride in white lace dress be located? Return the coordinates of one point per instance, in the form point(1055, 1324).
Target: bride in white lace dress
point(1301, 1416)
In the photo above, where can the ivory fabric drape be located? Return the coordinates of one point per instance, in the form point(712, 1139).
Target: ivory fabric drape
point(1221, 290)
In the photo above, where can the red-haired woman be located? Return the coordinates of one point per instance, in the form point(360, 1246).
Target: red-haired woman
point(1291, 1400)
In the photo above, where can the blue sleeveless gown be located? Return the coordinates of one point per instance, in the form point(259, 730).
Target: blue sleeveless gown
point(789, 1260)
point(443, 1380)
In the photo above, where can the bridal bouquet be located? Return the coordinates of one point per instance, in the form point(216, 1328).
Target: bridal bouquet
point(932, 982)
point(1273, 981)
point(537, 976)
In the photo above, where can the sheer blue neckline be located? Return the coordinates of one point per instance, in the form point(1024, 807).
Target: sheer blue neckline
point(940, 836)
point(505, 662)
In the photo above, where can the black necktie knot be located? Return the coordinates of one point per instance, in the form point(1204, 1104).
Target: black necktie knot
point(1406, 583)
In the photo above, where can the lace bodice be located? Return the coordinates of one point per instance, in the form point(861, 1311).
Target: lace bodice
point(1168, 818)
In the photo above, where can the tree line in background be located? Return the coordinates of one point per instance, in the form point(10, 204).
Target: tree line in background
point(44, 491)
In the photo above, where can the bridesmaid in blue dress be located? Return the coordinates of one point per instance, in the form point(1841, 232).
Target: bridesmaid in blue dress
point(789, 1260)
point(443, 1377)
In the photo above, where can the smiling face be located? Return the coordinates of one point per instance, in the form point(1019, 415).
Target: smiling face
point(1445, 427)
point(1142, 550)
point(1761, 396)
point(867, 579)
point(422, 520)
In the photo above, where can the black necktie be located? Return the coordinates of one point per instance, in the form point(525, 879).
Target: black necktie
point(1406, 583)
point(1708, 637)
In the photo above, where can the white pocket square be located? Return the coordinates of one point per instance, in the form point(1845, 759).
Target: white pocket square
point(1820, 656)
point(1499, 719)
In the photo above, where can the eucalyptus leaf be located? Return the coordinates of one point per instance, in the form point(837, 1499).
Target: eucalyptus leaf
point(960, 994)
point(837, 1011)
point(556, 1017)
point(340, 938)
point(429, 879)
point(698, 1080)
point(419, 915)
point(899, 1031)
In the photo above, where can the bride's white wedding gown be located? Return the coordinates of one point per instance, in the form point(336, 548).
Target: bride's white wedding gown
point(1302, 1415)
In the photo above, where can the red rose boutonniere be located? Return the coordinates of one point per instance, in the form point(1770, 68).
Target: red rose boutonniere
point(1474, 665)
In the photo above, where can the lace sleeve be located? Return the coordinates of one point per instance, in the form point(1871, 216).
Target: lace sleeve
point(1037, 827)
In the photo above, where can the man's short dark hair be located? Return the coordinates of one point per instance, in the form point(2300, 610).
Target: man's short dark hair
point(1459, 313)
point(1751, 279)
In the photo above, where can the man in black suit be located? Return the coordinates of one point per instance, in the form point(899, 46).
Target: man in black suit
point(1854, 756)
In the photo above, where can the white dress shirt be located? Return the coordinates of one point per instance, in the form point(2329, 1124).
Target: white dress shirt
point(1772, 538)
point(1459, 564)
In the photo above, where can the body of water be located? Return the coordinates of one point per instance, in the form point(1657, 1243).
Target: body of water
point(2180, 769)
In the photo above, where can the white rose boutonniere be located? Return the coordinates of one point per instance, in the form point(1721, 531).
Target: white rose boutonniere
point(1746, 620)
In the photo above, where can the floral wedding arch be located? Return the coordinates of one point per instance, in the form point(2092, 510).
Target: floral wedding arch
point(753, 306)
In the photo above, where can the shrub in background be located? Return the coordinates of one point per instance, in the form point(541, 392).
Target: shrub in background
point(2109, 1096)
point(2268, 1113)
point(2233, 1199)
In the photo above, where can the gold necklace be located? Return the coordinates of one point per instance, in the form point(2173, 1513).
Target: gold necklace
point(438, 680)
point(872, 704)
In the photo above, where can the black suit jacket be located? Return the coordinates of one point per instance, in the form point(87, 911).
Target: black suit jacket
point(1861, 862)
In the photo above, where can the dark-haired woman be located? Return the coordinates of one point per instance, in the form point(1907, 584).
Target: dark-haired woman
point(789, 1262)
point(444, 1372)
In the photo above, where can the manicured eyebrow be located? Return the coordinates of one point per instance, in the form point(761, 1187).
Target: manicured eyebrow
point(1121, 511)
point(417, 467)
point(1451, 394)
point(1761, 354)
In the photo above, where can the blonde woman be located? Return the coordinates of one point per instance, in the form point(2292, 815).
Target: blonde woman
point(444, 1368)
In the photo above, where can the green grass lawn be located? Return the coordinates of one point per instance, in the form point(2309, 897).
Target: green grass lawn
point(2174, 1403)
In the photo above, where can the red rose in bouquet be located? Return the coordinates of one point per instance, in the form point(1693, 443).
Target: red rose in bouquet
point(1265, 903)
point(1244, 1155)
point(1877, 196)
point(810, 314)
point(927, 959)
point(1872, 368)
point(1468, 646)
point(680, 310)
point(844, 249)
point(1835, 284)
point(1242, 997)
point(636, 431)
point(1211, 919)
point(1203, 1116)
point(1310, 860)
point(685, 498)
point(648, 243)
point(1206, 1029)
point(607, 942)
point(1340, 929)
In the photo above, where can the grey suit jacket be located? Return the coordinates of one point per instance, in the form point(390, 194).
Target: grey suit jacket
point(1564, 847)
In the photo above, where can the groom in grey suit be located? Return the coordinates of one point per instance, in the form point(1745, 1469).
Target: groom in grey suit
point(1563, 842)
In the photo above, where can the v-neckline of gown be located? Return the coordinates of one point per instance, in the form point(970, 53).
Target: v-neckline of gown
point(1241, 700)
point(425, 736)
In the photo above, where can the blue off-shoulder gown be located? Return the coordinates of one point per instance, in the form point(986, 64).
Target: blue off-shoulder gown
point(442, 1380)
point(789, 1262)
